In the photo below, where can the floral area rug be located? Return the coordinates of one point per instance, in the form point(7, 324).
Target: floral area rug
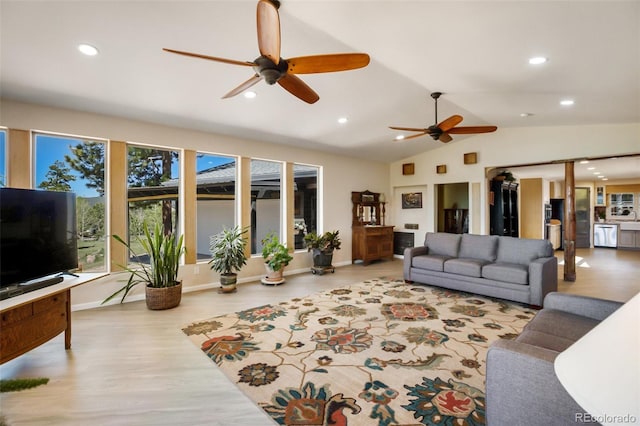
point(380, 352)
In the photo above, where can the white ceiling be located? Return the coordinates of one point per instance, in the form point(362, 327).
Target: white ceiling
point(474, 51)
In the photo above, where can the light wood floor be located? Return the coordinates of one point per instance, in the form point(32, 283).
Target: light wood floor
point(132, 366)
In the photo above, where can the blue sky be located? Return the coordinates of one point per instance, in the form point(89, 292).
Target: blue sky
point(50, 148)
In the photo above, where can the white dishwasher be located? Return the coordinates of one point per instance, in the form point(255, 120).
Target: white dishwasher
point(605, 235)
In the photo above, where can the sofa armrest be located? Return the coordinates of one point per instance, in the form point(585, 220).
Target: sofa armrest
point(522, 388)
point(410, 253)
point(543, 278)
point(590, 307)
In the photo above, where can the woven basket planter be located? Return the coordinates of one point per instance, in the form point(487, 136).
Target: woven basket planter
point(159, 298)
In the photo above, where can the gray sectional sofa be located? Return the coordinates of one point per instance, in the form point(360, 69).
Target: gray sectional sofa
point(518, 269)
point(522, 386)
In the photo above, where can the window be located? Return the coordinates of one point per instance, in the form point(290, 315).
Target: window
point(216, 204)
point(3, 158)
point(305, 207)
point(266, 205)
point(77, 165)
point(153, 184)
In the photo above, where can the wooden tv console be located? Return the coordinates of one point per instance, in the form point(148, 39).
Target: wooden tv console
point(31, 319)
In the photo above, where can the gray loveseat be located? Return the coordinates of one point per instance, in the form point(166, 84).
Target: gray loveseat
point(517, 269)
point(522, 387)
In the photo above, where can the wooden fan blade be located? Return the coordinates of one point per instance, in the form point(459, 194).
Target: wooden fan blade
point(244, 86)
point(268, 30)
point(409, 129)
point(327, 63)
point(472, 129)
point(444, 137)
point(422, 133)
point(211, 58)
point(450, 123)
point(298, 88)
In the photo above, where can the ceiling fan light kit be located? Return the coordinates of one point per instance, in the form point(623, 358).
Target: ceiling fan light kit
point(442, 131)
point(271, 68)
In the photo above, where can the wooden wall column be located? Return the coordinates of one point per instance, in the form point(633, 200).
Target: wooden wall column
point(19, 155)
point(118, 203)
point(190, 207)
point(569, 222)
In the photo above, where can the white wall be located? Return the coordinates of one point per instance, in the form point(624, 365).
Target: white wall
point(339, 176)
point(506, 147)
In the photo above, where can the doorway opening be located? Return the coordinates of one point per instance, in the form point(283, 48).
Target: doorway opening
point(453, 207)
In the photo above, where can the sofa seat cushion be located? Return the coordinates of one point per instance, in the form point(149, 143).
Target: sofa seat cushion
point(506, 272)
point(522, 250)
point(468, 267)
point(484, 247)
point(431, 262)
point(545, 340)
point(443, 244)
point(562, 324)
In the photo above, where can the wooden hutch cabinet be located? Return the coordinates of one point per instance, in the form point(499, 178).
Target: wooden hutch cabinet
point(371, 238)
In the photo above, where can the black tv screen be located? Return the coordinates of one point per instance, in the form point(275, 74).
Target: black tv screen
point(37, 234)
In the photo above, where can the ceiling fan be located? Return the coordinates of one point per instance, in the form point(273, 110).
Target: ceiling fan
point(442, 131)
point(270, 67)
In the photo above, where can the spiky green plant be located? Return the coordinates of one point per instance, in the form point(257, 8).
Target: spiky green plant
point(164, 253)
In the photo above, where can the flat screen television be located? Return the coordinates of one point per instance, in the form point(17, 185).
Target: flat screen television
point(37, 235)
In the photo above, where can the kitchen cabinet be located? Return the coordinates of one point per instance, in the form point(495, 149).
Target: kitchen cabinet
point(554, 236)
point(629, 239)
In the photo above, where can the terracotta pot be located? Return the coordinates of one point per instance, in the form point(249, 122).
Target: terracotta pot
point(273, 277)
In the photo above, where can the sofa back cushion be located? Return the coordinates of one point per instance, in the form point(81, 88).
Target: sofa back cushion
point(442, 243)
point(483, 247)
point(522, 250)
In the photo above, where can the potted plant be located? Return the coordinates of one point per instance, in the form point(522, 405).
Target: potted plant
point(505, 175)
point(228, 255)
point(276, 256)
point(160, 276)
point(322, 247)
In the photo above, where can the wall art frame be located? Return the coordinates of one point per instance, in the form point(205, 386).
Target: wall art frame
point(412, 200)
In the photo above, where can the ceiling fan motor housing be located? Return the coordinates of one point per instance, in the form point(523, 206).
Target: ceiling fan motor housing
point(269, 70)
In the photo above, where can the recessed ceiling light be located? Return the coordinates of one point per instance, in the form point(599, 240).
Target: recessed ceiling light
point(525, 114)
point(249, 95)
point(537, 60)
point(597, 173)
point(88, 49)
point(605, 178)
point(567, 102)
point(584, 162)
point(399, 137)
point(591, 168)
point(342, 120)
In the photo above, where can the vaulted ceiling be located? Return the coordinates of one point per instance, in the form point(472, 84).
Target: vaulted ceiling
point(475, 51)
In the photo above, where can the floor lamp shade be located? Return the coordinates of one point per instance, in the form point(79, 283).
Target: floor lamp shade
point(601, 371)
